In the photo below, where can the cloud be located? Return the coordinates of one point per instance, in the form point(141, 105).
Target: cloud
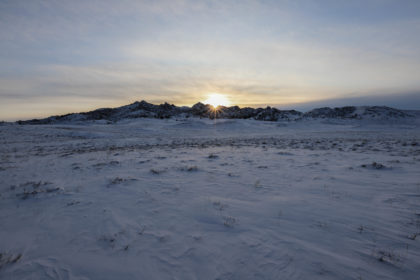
point(408, 101)
point(109, 53)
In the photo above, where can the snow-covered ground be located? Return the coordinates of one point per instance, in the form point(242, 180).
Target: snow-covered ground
point(204, 199)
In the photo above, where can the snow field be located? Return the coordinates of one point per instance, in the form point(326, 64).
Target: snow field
point(153, 199)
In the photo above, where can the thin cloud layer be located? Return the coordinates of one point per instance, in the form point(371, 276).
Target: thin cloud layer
point(64, 56)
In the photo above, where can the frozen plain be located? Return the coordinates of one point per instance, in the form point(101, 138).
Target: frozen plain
point(210, 199)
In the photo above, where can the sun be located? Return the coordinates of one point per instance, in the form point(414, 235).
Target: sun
point(217, 99)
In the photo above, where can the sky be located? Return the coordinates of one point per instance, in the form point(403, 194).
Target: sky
point(58, 57)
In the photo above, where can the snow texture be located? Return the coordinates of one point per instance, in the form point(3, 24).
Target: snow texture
point(191, 198)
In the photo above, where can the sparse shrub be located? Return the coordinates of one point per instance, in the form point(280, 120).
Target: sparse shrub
point(111, 240)
point(103, 164)
point(413, 236)
point(117, 180)
point(189, 168)
point(156, 171)
point(141, 231)
point(8, 258)
point(374, 165)
point(219, 206)
point(160, 157)
point(37, 188)
point(108, 240)
point(388, 256)
point(377, 165)
point(229, 221)
point(71, 203)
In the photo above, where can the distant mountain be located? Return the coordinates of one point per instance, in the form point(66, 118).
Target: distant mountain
point(144, 109)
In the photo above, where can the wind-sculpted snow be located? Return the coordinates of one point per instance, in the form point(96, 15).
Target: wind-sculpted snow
point(146, 110)
point(210, 199)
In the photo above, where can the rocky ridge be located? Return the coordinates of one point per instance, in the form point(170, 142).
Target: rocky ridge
point(144, 109)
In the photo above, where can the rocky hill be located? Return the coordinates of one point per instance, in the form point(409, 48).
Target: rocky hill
point(362, 112)
point(144, 109)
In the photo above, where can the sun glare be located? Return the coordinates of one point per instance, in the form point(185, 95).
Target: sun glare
point(217, 99)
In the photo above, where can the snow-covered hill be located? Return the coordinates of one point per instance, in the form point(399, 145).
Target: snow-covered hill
point(144, 109)
point(361, 112)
